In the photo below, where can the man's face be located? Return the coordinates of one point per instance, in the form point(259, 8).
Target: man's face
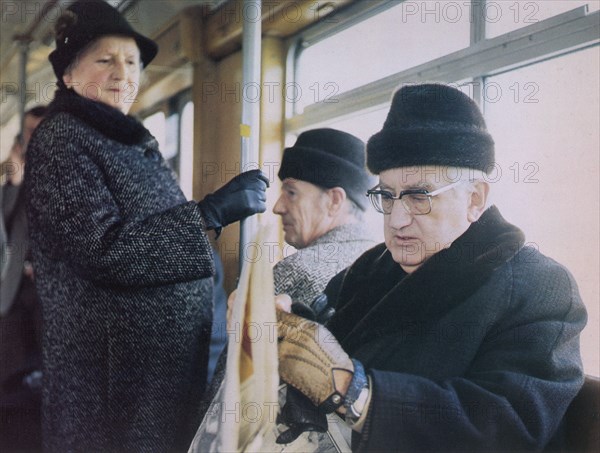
point(303, 208)
point(412, 239)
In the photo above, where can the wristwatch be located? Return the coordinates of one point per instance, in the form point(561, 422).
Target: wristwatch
point(357, 394)
point(356, 409)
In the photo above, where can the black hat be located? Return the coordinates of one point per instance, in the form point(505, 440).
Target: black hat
point(329, 158)
point(431, 124)
point(86, 20)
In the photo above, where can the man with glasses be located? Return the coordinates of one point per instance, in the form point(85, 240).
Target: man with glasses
point(453, 334)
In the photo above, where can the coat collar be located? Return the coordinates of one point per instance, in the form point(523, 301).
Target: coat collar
point(378, 293)
point(349, 232)
point(104, 118)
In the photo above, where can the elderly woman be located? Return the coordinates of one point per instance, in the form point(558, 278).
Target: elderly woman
point(123, 261)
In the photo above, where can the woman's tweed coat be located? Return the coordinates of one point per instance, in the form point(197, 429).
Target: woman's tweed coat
point(123, 270)
point(475, 351)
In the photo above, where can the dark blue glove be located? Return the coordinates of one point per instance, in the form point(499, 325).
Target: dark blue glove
point(243, 196)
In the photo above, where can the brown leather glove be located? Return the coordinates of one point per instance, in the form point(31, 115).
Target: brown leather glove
point(312, 361)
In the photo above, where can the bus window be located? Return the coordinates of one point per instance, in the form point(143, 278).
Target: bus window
point(545, 126)
point(398, 38)
point(157, 125)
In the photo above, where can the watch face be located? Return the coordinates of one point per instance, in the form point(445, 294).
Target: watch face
point(357, 407)
point(354, 414)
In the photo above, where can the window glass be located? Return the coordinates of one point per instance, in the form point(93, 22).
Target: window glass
point(545, 122)
point(157, 125)
point(186, 152)
point(364, 124)
point(171, 149)
point(505, 16)
point(399, 38)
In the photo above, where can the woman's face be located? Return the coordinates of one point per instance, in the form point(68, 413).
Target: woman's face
point(108, 71)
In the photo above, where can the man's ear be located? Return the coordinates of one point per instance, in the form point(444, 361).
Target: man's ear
point(67, 79)
point(337, 197)
point(478, 195)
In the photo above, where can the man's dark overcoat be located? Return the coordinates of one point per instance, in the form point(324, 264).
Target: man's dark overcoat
point(476, 350)
point(123, 269)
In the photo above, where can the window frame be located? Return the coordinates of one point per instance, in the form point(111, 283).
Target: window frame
point(549, 38)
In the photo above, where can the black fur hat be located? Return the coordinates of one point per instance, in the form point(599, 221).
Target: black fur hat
point(431, 124)
point(86, 20)
point(329, 158)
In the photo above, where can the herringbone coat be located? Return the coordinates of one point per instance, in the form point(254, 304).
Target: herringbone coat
point(123, 269)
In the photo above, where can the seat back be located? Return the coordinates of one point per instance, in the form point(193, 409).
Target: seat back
point(583, 418)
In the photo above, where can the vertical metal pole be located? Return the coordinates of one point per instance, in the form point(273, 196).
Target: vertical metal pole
point(478, 35)
point(251, 88)
point(24, 50)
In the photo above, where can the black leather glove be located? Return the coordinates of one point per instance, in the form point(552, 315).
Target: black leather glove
point(299, 415)
point(319, 309)
point(241, 197)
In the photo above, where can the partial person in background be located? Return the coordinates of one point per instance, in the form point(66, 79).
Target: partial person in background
point(453, 335)
point(123, 262)
point(12, 169)
point(322, 202)
point(20, 311)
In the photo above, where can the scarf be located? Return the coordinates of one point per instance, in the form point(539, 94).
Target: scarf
point(377, 292)
point(106, 119)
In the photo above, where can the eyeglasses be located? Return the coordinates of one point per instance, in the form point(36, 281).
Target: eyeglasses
point(415, 201)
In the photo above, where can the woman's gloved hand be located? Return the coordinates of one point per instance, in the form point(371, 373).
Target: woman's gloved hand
point(312, 361)
point(241, 197)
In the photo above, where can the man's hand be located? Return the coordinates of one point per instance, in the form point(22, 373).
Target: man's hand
point(312, 361)
point(283, 302)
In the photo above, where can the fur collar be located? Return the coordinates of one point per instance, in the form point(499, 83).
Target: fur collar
point(104, 118)
point(377, 292)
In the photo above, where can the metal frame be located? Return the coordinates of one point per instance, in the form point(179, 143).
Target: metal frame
point(250, 121)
